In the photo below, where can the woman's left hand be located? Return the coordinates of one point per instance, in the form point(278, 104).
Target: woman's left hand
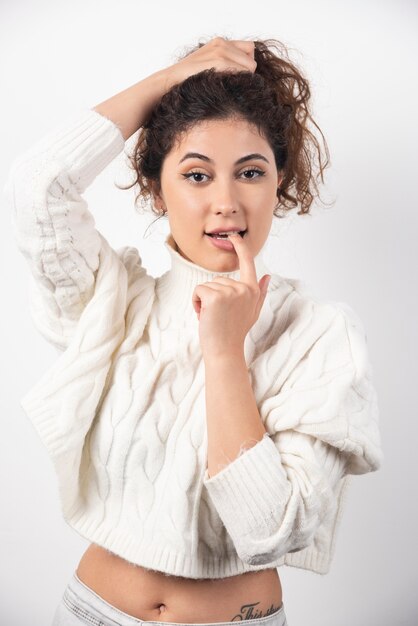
point(228, 308)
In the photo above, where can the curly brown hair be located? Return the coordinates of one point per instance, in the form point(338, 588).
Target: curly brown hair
point(274, 98)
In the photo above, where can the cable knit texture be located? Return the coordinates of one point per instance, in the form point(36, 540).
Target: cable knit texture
point(122, 410)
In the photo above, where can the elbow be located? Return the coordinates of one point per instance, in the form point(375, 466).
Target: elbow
point(269, 555)
point(294, 531)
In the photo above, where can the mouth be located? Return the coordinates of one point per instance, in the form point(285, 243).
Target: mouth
point(242, 233)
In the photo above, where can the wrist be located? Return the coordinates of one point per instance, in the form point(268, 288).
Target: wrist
point(161, 82)
point(224, 360)
point(168, 77)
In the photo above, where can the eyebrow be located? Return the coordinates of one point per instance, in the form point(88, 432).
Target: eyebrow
point(197, 155)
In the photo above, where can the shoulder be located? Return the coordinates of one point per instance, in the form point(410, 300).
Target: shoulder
point(132, 260)
point(300, 320)
point(294, 306)
point(139, 282)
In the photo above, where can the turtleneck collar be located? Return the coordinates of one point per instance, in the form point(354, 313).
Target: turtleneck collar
point(175, 287)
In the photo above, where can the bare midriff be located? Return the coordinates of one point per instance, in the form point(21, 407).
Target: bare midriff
point(154, 596)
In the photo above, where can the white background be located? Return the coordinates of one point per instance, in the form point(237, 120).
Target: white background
point(361, 59)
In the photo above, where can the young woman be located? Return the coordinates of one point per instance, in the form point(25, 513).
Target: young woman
point(203, 425)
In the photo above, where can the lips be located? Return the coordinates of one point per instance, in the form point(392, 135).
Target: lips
point(212, 234)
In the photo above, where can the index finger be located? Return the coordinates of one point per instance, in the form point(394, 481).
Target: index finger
point(247, 269)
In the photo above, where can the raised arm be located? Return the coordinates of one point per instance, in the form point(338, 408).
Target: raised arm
point(53, 226)
point(129, 109)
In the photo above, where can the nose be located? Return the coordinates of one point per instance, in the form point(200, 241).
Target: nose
point(224, 199)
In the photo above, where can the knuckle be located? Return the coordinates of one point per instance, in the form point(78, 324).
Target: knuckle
point(218, 41)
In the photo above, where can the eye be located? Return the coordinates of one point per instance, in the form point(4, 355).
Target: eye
point(190, 174)
point(196, 173)
point(253, 169)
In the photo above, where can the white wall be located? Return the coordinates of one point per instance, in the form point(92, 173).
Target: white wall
point(361, 58)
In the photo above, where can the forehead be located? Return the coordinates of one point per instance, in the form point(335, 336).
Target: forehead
point(210, 136)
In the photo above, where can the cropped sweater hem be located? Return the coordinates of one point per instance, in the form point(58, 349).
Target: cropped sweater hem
point(148, 553)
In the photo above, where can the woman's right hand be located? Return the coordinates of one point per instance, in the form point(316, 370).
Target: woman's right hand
point(219, 53)
point(130, 109)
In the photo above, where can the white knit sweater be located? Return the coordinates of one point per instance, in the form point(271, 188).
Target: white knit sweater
point(122, 410)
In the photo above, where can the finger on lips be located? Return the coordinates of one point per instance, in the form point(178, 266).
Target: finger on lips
point(247, 269)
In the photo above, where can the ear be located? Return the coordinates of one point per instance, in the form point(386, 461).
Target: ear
point(156, 195)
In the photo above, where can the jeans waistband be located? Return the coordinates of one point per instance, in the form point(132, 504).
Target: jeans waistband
point(87, 604)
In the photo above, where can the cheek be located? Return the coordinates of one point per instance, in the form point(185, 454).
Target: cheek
point(260, 226)
point(187, 204)
point(190, 213)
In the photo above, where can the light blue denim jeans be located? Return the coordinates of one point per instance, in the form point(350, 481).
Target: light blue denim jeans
point(81, 605)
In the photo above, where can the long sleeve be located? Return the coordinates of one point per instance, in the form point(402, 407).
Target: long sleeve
point(53, 227)
point(315, 395)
